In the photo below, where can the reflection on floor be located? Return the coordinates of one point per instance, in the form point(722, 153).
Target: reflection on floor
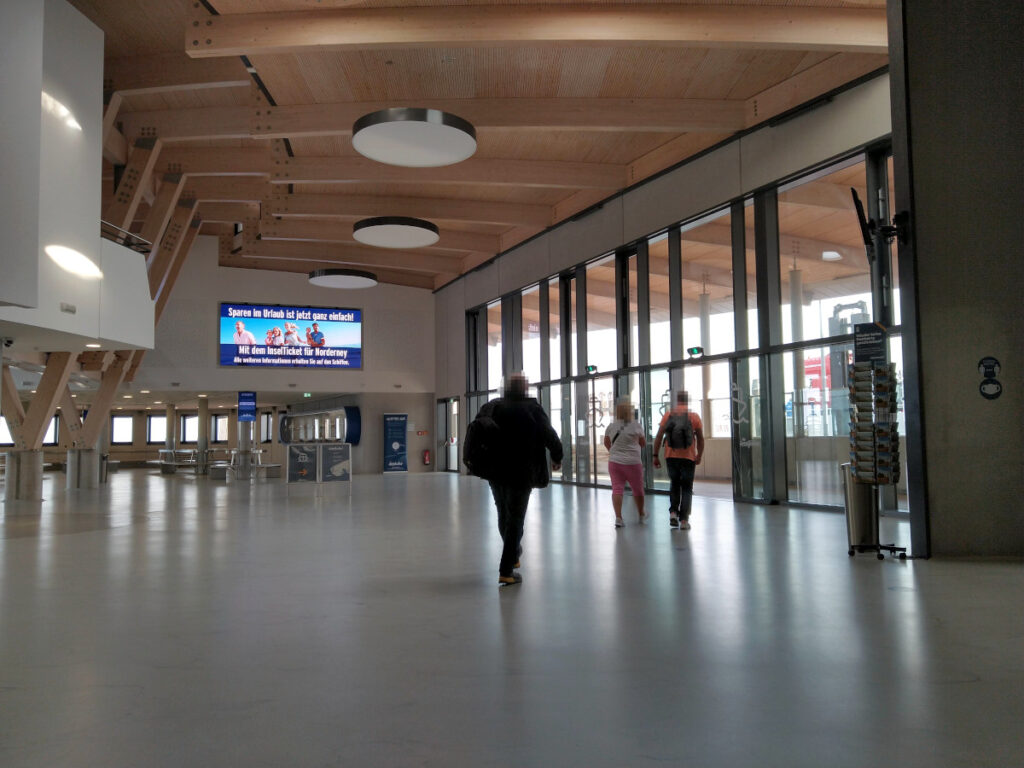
point(179, 621)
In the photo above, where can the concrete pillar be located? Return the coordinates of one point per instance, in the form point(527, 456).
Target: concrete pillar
point(171, 428)
point(243, 465)
point(203, 439)
point(957, 156)
point(24, 476)
point(104, 450)
point(83, 468)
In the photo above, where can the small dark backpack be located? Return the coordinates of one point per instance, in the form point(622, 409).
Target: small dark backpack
point(482, 447)
point(679, 431)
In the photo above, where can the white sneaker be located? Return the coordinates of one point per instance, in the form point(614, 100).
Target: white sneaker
point(684, 525)
point(619, 522)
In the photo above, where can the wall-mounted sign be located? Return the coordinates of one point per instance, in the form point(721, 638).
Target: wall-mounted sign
point(247, 406)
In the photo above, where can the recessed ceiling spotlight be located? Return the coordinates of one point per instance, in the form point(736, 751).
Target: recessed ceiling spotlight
point(74, 262)
point(395, 232)
point(831, 256)
point(200, 395)
point(93, 346)
point(414, 137)
point(342, 278)
point(143, 391)
point(127, 397)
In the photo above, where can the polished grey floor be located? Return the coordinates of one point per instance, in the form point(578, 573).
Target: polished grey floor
point(176, 621)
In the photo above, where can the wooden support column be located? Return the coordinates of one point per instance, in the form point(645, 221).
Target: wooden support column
point(121, 210)
point(99, 411)
point(162, 208)
point(70, 418)
point(111, 117)
point(13, 410)
point(162, 257)
point(133, 366)
point(48, 394)
point(164, 291)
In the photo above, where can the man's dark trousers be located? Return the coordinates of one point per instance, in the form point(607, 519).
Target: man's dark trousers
point(511, 501)
point(680, 493)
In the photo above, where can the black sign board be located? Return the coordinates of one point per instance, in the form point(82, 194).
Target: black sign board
point(869, 343)
point(335, 462)
point(302, 463)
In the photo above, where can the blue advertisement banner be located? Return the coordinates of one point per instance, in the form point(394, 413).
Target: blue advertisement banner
point(247, 406)
point(396, 458)
point(301, 337)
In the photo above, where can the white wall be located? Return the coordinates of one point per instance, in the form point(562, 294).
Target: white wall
point(21, 62)
point(63, 165)
point(852, 119)
point(398, 332)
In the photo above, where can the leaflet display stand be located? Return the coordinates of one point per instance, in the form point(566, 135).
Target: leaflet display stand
point(874, 453)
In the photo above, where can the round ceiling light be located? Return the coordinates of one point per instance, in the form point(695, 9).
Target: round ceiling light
point(342, 278)
point(395, 232)
point(414, 137)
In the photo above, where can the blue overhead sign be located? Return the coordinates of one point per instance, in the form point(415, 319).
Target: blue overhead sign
point(247, 406)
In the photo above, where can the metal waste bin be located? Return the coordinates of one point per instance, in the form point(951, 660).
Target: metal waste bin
point(861, 512)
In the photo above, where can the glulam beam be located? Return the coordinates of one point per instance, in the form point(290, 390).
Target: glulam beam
point(556, 25)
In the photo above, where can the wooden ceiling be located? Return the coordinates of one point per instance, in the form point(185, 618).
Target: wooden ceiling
point(571, 104)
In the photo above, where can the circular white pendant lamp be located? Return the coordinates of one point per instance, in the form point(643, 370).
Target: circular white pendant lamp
point(395, 232)
point(414, 137)
point(342, 278)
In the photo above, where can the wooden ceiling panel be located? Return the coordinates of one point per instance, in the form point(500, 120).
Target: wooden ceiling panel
point(766, 69)
point(187, 99)
point(652, 72)
point(718, 73)
point(281, 6)
point(534, 94)
point(469, 192)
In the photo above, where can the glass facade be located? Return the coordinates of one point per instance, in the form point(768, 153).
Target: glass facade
point(156, 429)
point(121, 430)
point(769, 287)
point(531, 333)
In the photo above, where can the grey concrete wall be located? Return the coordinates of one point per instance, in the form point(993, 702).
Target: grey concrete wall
point(966, 97)
point(368, 456)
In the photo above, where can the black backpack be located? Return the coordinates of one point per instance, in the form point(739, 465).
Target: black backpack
point(482, 447)
point(679, 431)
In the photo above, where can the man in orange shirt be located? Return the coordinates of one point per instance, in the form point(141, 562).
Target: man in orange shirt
point(683, 434)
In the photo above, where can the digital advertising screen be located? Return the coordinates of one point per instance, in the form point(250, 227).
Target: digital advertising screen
point(275, 336)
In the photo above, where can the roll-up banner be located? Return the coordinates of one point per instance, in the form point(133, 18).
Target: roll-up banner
point(396, 454)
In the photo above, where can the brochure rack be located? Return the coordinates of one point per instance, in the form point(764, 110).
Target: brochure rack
point(874, 443)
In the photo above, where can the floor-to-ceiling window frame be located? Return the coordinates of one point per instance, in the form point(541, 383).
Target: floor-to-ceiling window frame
point(606, 325)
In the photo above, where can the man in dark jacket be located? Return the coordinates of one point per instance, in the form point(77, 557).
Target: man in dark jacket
point(525, 433)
